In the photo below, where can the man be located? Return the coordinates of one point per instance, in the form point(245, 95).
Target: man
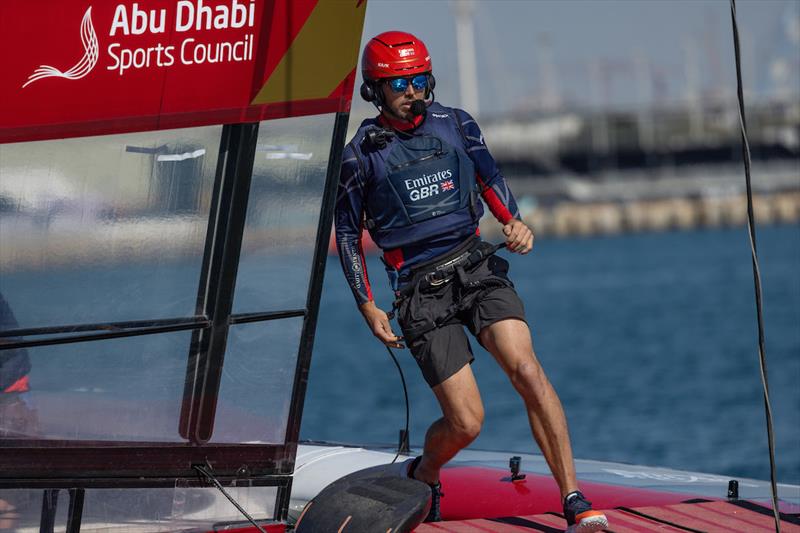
point(17, 419)
point(411, 177)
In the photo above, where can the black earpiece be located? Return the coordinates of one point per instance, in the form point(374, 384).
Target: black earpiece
point(371, 92)
point(367, 92)
point(431, 86)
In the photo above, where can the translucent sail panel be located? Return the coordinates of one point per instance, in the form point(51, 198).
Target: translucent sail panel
point(282, 215)
point(257, 382)
point(151, 510)
point(105, 229)
point(127, 389)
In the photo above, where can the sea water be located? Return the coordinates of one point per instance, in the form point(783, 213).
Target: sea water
point(650, 340)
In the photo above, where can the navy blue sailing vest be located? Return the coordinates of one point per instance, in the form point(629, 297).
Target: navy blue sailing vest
point(423, 185)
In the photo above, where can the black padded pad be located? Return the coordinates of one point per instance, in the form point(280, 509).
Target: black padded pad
point(374, 499)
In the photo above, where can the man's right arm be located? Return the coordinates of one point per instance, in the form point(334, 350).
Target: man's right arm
point(348, 219)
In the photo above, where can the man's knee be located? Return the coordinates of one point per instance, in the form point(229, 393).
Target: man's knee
point(466, 428)
point(529, 377)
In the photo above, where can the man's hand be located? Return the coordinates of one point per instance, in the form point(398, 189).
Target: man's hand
point(519, 237)
point(378, 322)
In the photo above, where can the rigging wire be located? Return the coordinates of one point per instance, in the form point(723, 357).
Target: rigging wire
point(405, 393)
point(756, 271)
point(208, 474)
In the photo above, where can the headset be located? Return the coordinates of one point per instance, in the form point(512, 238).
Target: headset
point(377, 137)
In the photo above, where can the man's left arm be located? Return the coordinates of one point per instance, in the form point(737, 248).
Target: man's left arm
point(493, 187)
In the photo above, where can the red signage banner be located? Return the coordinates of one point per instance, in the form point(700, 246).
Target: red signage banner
point(91, 67)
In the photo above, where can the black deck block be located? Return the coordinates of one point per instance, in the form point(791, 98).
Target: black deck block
point(374, 499)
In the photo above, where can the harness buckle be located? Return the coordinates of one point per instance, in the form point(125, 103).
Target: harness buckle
point(435, 281)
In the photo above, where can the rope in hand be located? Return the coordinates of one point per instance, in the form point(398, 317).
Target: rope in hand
point(405, 394)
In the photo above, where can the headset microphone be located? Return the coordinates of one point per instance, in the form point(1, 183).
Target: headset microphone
point(418, 108)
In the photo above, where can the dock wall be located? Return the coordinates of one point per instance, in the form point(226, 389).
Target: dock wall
point(608, 218)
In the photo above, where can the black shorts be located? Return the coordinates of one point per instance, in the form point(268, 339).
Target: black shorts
point(443, 351)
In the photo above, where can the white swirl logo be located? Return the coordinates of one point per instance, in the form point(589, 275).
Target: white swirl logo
point(84, 66)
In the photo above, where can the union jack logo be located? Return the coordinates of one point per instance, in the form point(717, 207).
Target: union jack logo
point(448, 185)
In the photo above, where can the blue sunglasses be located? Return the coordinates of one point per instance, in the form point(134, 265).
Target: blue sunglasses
point(399, 85)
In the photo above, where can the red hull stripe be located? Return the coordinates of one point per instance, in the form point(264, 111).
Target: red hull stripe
point(538, 494)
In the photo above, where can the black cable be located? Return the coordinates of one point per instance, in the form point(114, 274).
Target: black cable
point(405, 393)
point(756, 271)
point(206, 472)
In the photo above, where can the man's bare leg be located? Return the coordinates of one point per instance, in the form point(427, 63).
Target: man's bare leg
point(509, 341)
point(463, 416)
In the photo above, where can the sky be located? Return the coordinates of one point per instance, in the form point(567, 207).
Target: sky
point(603, 53)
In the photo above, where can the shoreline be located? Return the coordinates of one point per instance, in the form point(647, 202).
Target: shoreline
point(586, 219)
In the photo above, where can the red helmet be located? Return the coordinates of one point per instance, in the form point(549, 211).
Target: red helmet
point(392, 54)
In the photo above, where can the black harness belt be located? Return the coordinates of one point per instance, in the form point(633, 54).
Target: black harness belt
point(455, 268)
